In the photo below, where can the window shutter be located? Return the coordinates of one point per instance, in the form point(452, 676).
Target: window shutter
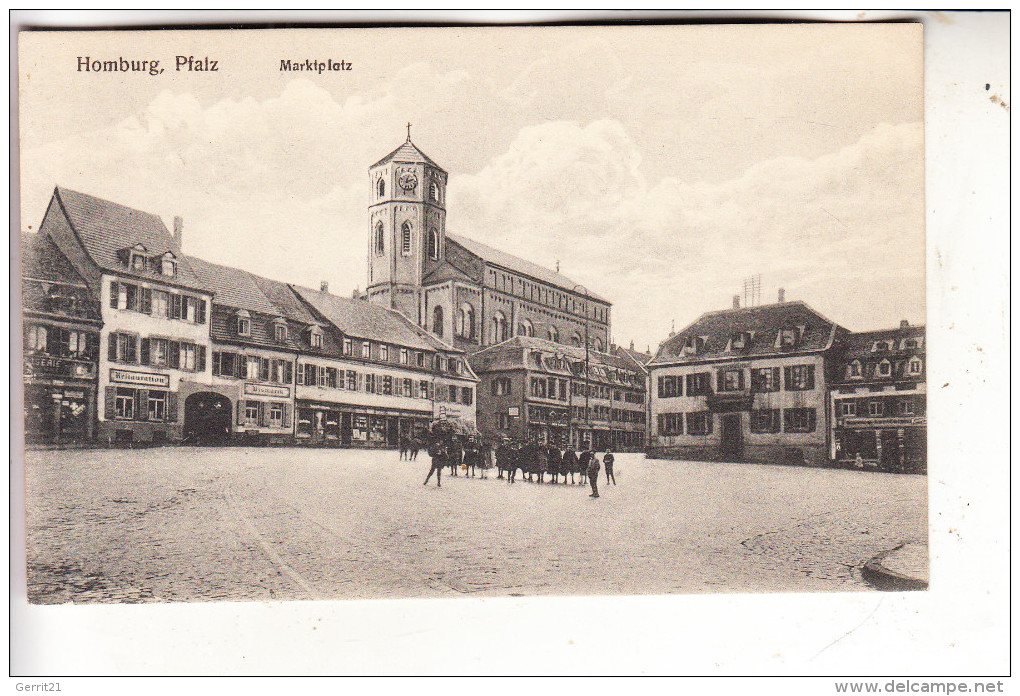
point(720, 381)
point(175, 354)
point(241, 408)
point(114, 293)
point(171, 407)
point(146, 307)
point(300, 373)
point(812, 415)
point(142, 407)
point(175, 306)
point(810, 378)
point(288, 372)
point(740, 382)
point(787, 377)
point(264, 369)
point(145, 351)
point(239, 366)
point(200, 313)
point(775, 380)
point(132, 349)
point(133, 291)
point(111, 352)
point(216, 357)
point(287, 408)
point(200, 360)
point(110, 405)
point(263, 414)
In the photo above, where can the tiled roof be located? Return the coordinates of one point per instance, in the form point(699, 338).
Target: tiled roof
point(362, 319)
point(233, 287)
point(511, 354)
point(858, 345)
point(284, 299)
point(408, 152)
point(41, 260)
point(764, 321)
point(106, 228)
point(637, 355)
point(519, 265)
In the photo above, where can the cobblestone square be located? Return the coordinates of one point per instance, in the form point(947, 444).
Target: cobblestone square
point(186, 524)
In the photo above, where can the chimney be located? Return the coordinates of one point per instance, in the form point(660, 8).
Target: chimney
point(782, 295)
point(178, 230)
point(323, 286)
point(632, 344)
point(904, 324)
point(736, 302)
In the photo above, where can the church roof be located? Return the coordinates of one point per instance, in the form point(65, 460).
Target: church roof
point(408, 152)
point(518, 265)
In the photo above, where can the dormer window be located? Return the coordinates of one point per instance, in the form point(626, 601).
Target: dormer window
point(243, 323)
point(787, 338)
point(280, 330)
point(741, 341)
point(914, 366)
point(884, 369)
point(315, 337)
point(137, 262)
point(853, 370)
point(168, 267)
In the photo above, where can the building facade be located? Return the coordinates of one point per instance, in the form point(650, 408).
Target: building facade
point(879, 400)
point(250, 396)
point(745, 384)
point(463, 292)
point(154, 345)
point(377, 379)
point(537, 390)
point(62, 326)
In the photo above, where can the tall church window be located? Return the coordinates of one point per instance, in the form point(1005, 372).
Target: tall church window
point(405, 239)
point(466, 321)
point(498, 332)
point(525, 328)
point(380, 243)
point(380, 187)
point(577, 340)
point(433, 243)
point(433, 191)
point(598, 345)
point(553, 334)
point(437, 321)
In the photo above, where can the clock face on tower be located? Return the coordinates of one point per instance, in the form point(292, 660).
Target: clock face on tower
point(407, 181)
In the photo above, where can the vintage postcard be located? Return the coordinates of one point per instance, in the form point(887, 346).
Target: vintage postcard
point(473, 312)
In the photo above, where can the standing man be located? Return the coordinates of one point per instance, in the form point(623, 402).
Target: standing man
point(608, 461)
point(438, 454)
point(590, 465)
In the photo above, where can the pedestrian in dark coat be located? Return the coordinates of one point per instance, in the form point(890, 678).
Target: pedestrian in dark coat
point(590, 464)
point(570, 464)
point(438, 454)
point(608, 461)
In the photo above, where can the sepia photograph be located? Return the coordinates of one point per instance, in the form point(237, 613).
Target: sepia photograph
point(472, 313)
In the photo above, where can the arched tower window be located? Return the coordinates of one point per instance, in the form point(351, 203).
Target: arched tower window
point(598, 344)
point(433, 191)
point(553, 334)
point(433, 243)
point(437, 321)
point(466, 321)
point(405, 239)
point(498, 330)
point(577, 340)
point(380, 187)
point(525, 328)
point(380, 240)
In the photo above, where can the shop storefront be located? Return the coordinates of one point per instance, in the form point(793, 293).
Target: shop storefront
point(340, 425)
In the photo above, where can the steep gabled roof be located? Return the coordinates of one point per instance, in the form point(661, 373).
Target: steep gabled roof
point(42, 260)
point(284, 299)
point(106, 228)
point(233, 287)
point(518, 265)
point(858, 345)
point(362, 319)
point(512, 354)
point(408, 152)
point(764, 322)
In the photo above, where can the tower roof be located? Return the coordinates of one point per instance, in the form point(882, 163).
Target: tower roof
point(408, 152)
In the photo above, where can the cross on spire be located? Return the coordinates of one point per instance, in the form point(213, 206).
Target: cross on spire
point(408, 131)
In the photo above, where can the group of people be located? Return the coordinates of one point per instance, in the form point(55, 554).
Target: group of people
point(533, 460)
point(409, 448)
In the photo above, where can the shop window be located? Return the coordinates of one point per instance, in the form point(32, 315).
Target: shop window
point(699, 423)
point(157, 405)
point(125, 403)
point(799, 420)
point(765, 420)
point(276, 414)
point(251, 413)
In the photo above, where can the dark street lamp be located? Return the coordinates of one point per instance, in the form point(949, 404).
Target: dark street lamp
point(587, 387)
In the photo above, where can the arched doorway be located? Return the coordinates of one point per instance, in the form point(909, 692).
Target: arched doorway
point(207, 419)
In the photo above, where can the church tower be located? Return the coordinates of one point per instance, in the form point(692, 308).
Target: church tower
point(407, 227)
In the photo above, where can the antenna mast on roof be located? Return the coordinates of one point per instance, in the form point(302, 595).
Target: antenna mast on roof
point(752, 291)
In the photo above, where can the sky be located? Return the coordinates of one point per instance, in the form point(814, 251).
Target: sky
point(660, 166)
